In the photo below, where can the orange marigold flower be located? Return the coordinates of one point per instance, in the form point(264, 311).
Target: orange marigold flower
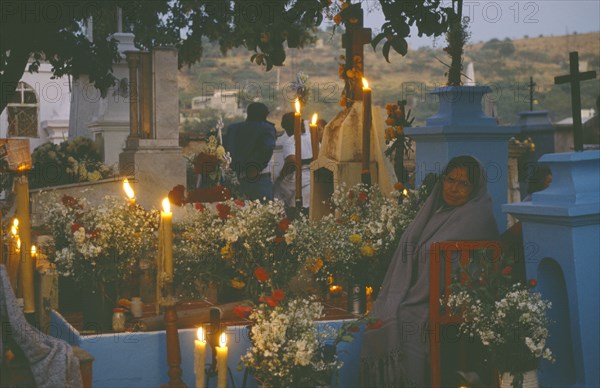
point(399, 186)
point(337, 19)
point(237, 284)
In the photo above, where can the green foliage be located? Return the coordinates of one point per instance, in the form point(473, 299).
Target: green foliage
point(72, 161)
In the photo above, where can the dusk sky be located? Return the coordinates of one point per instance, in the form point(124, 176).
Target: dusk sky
point(514, 19)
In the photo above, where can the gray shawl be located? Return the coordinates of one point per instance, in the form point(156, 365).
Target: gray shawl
point(396, 354)
point(51, 360)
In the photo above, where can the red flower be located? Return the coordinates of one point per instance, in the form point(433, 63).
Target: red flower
point(242, 311)
point(199, 206)
point(362, 197)
point(261, 274)
point(75, 227)
point(283, 225)
point(269, 300)
point(239, 202)
point(507, 270)
point(278, 294)
point(378, 324)
point(532, 283)
point(223, 210)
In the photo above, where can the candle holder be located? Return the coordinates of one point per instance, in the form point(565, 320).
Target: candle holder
point(213, 335)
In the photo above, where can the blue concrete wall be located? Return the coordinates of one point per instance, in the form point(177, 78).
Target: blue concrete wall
point(140, 359)
point(461, 128)
point(561, 228)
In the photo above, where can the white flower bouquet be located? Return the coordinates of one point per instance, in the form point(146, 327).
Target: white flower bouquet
point(103, 244)
point(509, 319)
point(287, 349)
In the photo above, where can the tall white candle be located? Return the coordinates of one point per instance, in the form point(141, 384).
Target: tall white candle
point(222, 362)
point(200, 357)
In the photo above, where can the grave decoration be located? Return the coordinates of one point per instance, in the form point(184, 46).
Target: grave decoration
point(510, 319)
point(101, 247)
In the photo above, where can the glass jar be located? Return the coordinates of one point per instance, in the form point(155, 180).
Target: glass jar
point(118, 319)
point(137, 307)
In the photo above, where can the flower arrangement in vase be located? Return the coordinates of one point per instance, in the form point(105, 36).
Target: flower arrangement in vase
point(287, 348)
point(509, 319)
point(356, 242)
point(225, 243)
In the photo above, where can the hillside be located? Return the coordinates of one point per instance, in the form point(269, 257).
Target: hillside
point(504, 65)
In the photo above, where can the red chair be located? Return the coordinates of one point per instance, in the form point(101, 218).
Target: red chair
point(442, 257)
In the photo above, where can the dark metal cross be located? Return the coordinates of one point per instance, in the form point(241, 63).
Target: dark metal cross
point(531, 88)
point(574, 77)
point(353, 40)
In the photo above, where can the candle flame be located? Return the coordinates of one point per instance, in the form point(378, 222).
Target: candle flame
point(128, 190)
point(200, 335)
point(18, 243)
point(297, 105)
point(33, 251)
point(405, 192)
point(365, 83)
point(166, 205)
point(13, 230)
point(223, 340)
point(314, 119)
point(16, 222)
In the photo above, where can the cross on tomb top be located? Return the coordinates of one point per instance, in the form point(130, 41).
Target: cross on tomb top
point(353, 40)
point(531, 89)
point(574, 77)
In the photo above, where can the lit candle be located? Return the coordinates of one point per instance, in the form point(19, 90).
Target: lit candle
point(298, 154)
point(200, 357)
point(26, 270)
point(129, 191)
point(13, 254)
point(314, 137)
point(166, 219)
point(366, 135)
point(222, 362)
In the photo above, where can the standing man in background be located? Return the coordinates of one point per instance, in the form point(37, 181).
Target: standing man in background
point(251, 144)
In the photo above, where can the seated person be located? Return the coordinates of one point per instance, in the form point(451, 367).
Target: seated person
point(459, 208)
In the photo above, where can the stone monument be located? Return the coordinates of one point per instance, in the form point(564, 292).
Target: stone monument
point(461, 128)
point(152, 155)
point(561, 226)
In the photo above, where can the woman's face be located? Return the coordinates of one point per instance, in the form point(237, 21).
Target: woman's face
point(457, 188)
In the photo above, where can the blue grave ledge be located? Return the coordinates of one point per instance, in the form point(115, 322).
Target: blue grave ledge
point(140, 359)
point(561, 237)
point(460, 127)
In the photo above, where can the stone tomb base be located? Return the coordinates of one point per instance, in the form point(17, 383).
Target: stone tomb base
point(156, 167)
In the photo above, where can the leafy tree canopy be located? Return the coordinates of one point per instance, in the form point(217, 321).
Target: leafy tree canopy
point(54, 31)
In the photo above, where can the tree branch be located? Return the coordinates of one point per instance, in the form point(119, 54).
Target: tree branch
point(13, 71)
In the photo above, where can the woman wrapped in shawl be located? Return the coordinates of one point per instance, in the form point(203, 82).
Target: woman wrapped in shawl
point(459, 208)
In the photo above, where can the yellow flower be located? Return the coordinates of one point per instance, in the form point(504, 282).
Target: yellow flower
point(220, 151)
point(355, 238)
point(355, 217)
point(227, 252)
point(367, 250)
point(237, 284)
point(314, 265)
